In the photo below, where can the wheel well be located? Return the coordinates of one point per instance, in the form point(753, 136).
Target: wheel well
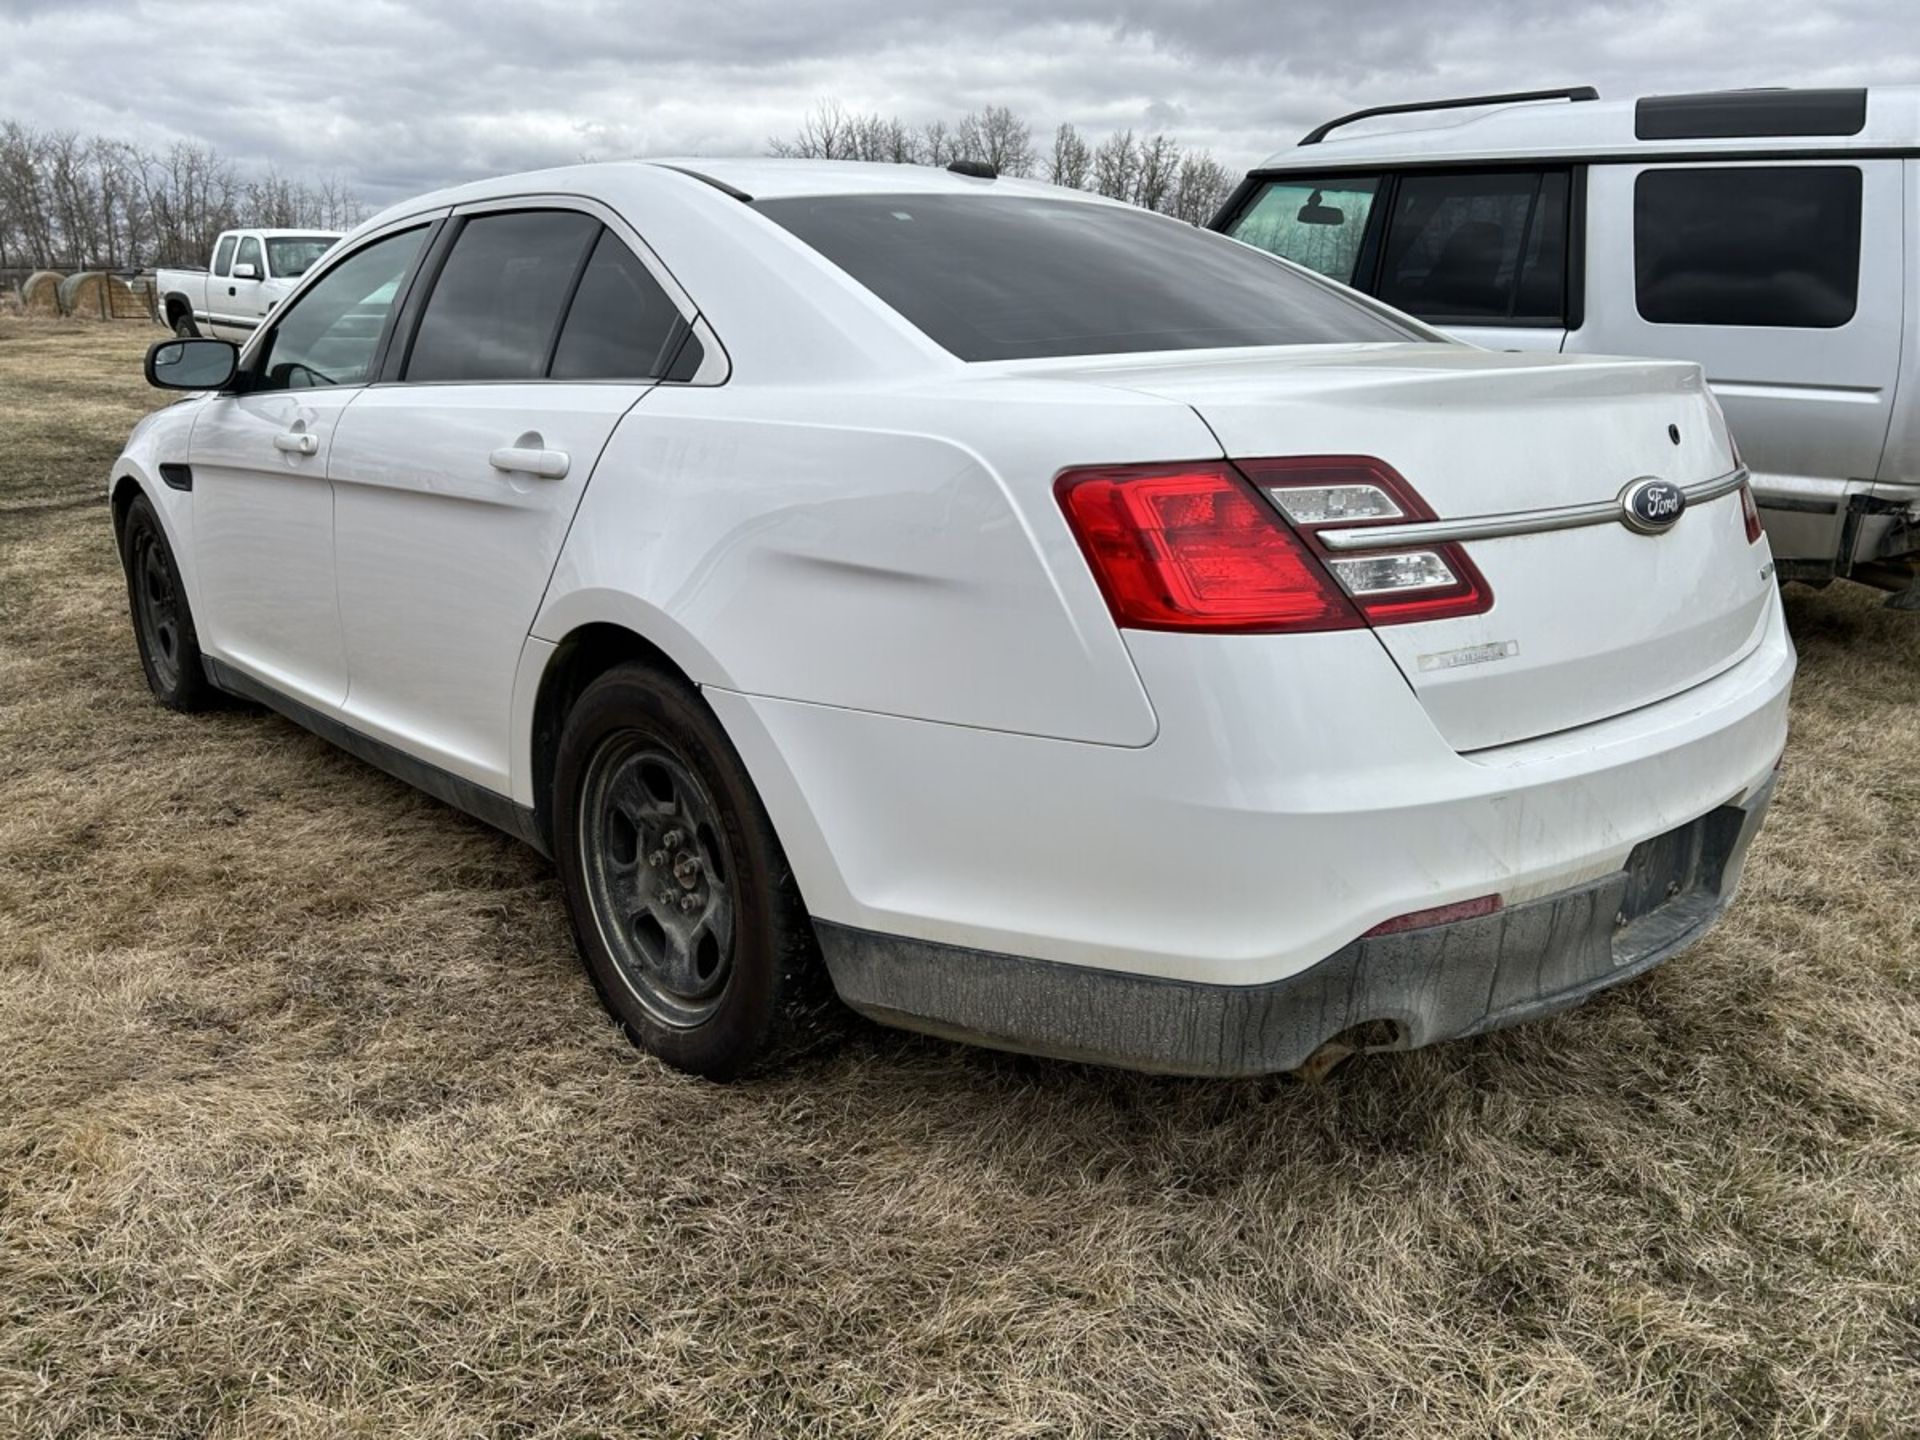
point(583, 657)
point(175, 304)
point(125, 490)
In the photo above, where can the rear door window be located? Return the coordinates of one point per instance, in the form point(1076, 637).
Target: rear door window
point(223, 254)
point(1487, 247)
point(1747, 245)
point(496, 307)
point(1318, 223)
point(621, 324)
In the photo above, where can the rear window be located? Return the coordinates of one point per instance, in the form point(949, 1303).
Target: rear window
point(1011, 277)
point(1747, 245)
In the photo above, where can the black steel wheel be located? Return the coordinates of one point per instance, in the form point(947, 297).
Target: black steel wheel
point(183, 325)
point(162, 621)
point(681, 901)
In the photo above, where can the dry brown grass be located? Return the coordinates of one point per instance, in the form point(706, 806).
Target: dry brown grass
point(311, 1126)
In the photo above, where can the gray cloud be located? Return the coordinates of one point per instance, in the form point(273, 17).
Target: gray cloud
point(403, 95)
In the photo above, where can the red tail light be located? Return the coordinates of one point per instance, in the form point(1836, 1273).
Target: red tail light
point(1750, 512)
point(1191, 547)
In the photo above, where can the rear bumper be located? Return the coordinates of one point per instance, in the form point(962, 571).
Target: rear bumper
point(1426, 985)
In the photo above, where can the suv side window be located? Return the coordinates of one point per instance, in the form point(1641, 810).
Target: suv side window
point(1486, 247)
point(329, 335)
point(250, 255)
point(1316, 223)
point(1747, 245)
point(621, 324)
point(496, 306)
point(223, 255)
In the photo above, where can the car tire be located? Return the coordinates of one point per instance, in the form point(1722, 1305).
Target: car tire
point(682, 904)
point(184, 327)
point(162, 619)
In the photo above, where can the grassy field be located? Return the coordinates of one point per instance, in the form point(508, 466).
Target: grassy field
point(310, 1124)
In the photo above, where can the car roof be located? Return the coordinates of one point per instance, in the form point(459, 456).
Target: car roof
point(1612, 129)
point(272, 234)
point(757, 178)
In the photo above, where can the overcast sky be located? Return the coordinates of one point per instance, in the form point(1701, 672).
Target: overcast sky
point(401, 96)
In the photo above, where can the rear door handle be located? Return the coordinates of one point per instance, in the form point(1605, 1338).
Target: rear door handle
point(297, 443)
point(547, 464)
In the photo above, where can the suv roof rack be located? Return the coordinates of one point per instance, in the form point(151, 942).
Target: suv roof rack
point(1576, 92)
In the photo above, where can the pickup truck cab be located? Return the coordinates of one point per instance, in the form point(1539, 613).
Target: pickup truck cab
point(251, 272)
point(1767, 235)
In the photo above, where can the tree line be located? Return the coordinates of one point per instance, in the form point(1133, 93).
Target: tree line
point(1151, 170)
point(72, 202)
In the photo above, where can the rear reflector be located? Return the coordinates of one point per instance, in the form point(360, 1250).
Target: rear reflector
point(1191, 547)
point(1750, 513)
point(1438, 915)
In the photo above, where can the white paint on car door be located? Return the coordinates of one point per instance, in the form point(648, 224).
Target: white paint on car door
point(445, 548)
point(263, 539)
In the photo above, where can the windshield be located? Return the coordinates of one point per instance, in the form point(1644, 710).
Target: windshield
point(1013, 277)
point(289, 256)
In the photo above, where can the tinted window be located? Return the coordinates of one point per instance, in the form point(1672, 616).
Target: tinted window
point(1487, 247)
point(250, 254)
point(330, 334)
point(1747, 245)
point(621, 325)
point(1005, 277)
point(223, 255)
point(1316, 223)
point(496, 307)
point(293, 255)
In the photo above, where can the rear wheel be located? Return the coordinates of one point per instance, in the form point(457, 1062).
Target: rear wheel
point(162, 621)
point(183, 325)
point(681, 901)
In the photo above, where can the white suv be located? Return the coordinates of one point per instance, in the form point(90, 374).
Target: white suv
point(1767, 234)
point(1071, 628)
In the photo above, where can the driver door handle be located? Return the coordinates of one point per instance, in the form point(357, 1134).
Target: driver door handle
point(547, 464)
point(297, 443)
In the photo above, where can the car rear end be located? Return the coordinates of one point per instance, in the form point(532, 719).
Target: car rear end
point(1469, 677)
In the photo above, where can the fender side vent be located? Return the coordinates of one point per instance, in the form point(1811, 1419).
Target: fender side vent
point(177, 477)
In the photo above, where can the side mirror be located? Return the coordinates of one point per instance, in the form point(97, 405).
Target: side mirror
point(1315, 213)
point(192, 364)
point(246, 270)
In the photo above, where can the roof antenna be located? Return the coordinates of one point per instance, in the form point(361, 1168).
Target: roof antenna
point(978, 169)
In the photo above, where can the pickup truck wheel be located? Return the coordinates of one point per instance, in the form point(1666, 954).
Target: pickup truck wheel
point(162, 621)
point(682, 904)
point(183, 325)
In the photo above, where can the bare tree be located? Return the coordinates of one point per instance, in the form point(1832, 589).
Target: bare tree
point(1071, 162)
point(1153, 172)
point(1116, 164)
point(1201, 189)
point(999, 137)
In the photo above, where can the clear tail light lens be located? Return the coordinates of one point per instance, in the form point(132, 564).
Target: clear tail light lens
point(1389, 586)
point(1191, 547)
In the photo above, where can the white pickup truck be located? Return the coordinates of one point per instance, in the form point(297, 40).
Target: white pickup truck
point(252, 271)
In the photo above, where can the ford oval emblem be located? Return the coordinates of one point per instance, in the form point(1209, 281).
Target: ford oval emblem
point(1652, 506)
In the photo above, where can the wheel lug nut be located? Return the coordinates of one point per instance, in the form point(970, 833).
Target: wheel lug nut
point(672, 839)
point(689, 904)
point(656, 859)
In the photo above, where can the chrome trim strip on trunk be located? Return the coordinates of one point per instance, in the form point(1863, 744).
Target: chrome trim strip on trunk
point(1514, 522)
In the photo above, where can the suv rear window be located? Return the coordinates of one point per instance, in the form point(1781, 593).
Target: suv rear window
point(1747, 245)
point(1012, 277)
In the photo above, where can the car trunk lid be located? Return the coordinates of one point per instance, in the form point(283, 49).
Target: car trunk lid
point(1590, 618)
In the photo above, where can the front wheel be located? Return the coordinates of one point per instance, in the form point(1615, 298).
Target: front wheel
point(162, 621)
point(682, 904)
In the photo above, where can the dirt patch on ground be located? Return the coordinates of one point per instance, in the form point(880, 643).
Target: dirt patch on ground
point(310, 1124)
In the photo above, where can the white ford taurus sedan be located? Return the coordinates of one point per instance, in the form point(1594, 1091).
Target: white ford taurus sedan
point(1048, 623)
